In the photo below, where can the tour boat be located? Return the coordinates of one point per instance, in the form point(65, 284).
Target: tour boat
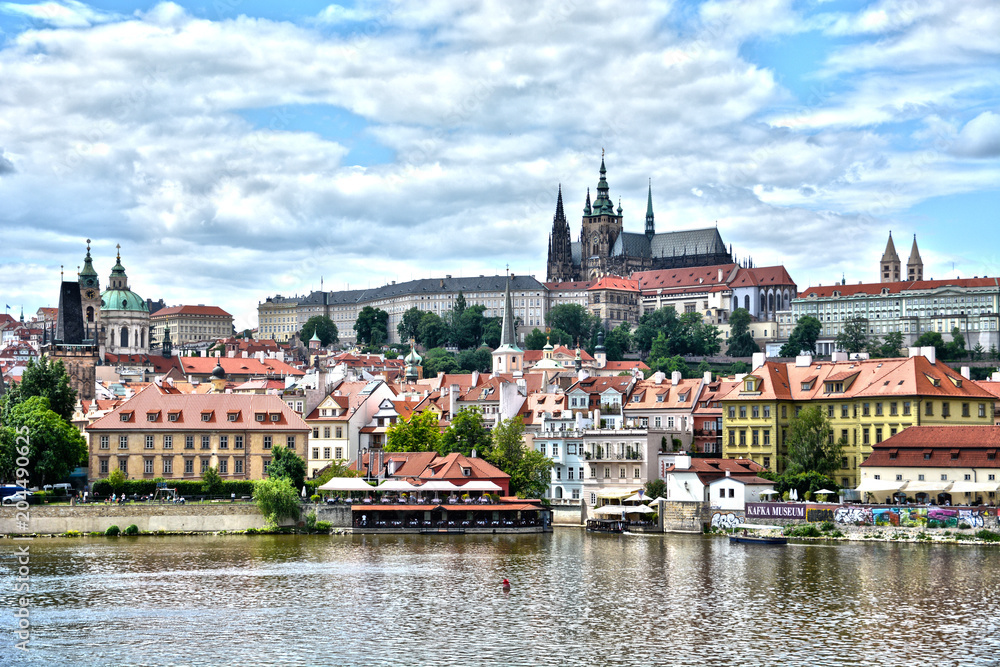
point(748, 537)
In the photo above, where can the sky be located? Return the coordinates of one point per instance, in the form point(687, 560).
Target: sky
point(237, 149)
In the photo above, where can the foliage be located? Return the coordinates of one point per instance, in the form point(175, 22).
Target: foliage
point(892, 346)
point(480, 360)
point(803, 337)
point(131, 529)
point(933, 339)
point(116, 481)
point(987, 535)
point(655, 488)
point(286, 464)
point(419, 433)
point(113, 531)
point(52, 445)
point(466, 433)
point(573, 319)
point(810, 444)
point(276, 499)
point(528, 468)
point(535, 340)
point(804, 530)
point(618, 342)
point(467, 326)
point(956, 348)
point(492, 332)
point(409, 324)
point(46, 379)
point(738, 367)
point(854, 337)
point(743, 346)
point(432, 332)
point(439, 360)
point(323, 327)
point(212, 480)
point(978, 351)
point(372, 326)
point(687, 334)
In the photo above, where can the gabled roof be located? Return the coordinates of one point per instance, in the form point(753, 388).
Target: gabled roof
point(821, 291)
point(616, 283)
point(189, 310)
point(938, 447)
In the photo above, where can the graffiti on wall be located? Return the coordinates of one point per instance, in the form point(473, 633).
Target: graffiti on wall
point(851, 515)
point(952, 518)
point(909, 517)
point(817, 514)
point(726, 520)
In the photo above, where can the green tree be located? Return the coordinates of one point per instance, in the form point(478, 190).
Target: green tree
point(419, 433)
point(956, 348)
point(739, 322)
point(276, 499)
point(811, 447)
point(655, 488)
point(978, 351)
point(738, 367)
point(480, 359)
point(467, 326)
point(460, 304)
point(433, 331)
point(573, 319)
point(535, 340)
point(323, 327)
point(618, 342)
point(492, 332)
point(892, 345)
point(439, 360)
point(372, 326)
point(651, 325)
point(409, 324)
point(741, 342)
point(803, 337)
point(528, 469)
point(117, 480)
point(286, 464)
point(467, 432)
point(47, 379)
point(52, 445)
point(703, 367)
point(994, 353)
point(854, 337)
point(212, 480)
point(933, 339)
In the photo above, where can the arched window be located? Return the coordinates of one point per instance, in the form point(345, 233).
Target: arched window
point(788, 301)
point(124, 337)
point(90, 313)
point(142, 338)
point(559, 492)
point(746, 302)
point(770, 302)
point(763, 302)
point(736, 302)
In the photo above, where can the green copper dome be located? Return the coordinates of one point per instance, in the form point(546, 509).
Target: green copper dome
point(123, 299)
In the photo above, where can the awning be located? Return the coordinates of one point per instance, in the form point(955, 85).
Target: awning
point(974, 487)
point(615, 493)
point(872, 485)
point(346, 484)
point(480, 485)
point(928, 487)
point(611, 509)
point(437, 485)
point(395, 485)
point(639, 509)
point(636, 498)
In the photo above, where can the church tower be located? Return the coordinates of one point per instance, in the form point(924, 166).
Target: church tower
point(90, 297)
point(890, 265)
point(601, 227)
point(914, 265)
point(650, 225)
point(508, 358)
point(560, 265)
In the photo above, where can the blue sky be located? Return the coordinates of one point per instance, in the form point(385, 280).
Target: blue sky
point(238, 149)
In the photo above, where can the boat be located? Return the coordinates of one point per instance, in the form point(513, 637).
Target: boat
point(606, 525)
point(745, 533)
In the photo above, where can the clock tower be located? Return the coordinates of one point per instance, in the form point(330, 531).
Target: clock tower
point(90, 297)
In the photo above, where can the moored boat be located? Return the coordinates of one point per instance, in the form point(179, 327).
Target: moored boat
point(745, 533)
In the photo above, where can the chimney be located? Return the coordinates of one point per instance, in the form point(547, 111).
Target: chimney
point(453, 400)
point(204, 353)
point(758, 360)
point(682, 462)
point(707, 377)
point(243, 354)
point(965, 373)
point(838, 356)
point(659, 377)
point(675, 377)
point(729, 473)
point(930, 352)
point(803, 360)
point(720, 275)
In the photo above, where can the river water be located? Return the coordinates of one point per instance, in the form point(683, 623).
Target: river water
point(576, 599)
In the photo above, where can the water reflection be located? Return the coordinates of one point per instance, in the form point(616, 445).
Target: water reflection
point(575, 598)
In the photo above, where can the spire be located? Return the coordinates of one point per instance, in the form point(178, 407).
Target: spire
point(650, 226)
point(890, 251)
point(586, 207)
point(619, 207)
point(889, 267)
point(88, 276)
point(915, 265)
point(507, 330)
point(603, 202)
point(914, 252)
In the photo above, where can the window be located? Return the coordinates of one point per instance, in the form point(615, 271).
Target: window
point(755, 411)
point(893, 409)
point(267, 442)
point(944, 478)
point(555, 450)
point(125, 416)
point(223, 442)
point(188, 466)
point(635, 472)
point(878, 409)
point(899, 478)
point(743, 438)
point(732, 438)
point(865, 409)
point(543, 448)
point(326, 452)
point(315, 451)
point(865, 437)
point(338, 452)
point(753, 437)
point(168, 466)
point(784, 411)
point(206, 442)
point(316, 432)
point(593, 498)
point(732, 412)
point(829, 411)
point(878, 435)
point(275, 416)
point(767, 437)
point(173, 416)
point(149, 443)
point(224, 467)
point(238, 467)
point(267, 465)
point(152, 416)
point(104, 466)
point(945, 409)
point(123, 442)
point(968, 478)
point(767, 412)
point(123, 465)
point(237, 442)
point(843, 411)
point(906, 408)
point(982, 409)
point(607, 472)
point(206, 416)
point(621, 473)
point(569, 473)
point(340, 432)
point(168, 442)
point(965, 409)
point(326, 431)
point(232, 416)
point(104, 442)
point(767, 462)
point(743, 412)
point(290, 442)
point(929, 409)
point(147, 466)
point(204, 465)
point(259, 416)
point(188, 442)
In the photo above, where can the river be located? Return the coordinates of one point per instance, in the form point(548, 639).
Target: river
point(576, 599)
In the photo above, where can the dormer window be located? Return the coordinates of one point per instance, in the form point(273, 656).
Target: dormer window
point(206, 416)
point(232, 416)
point(125, 416)
point(659, 398)
point(173, 416)
point(275, 416)
point(153, 415)
point(259, 416)
point(467, 472)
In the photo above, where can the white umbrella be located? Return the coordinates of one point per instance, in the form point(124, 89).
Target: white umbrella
point(395, 485)
point(641, 509)
point(346, 484)
point(769, 492)
point(437, 485)
point(824, 491)
point(636, 498)
point(303, 490)
point(480, 485)
point(610, 509)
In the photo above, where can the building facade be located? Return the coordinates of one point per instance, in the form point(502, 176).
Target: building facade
point(191, 324)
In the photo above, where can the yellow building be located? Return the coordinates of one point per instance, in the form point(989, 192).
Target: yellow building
point(865, 402)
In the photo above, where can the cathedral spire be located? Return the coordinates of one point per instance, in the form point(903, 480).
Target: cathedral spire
point(586, 207)
point(889, 267)
point(650, 226)
point(915, 265)
point(560, 265)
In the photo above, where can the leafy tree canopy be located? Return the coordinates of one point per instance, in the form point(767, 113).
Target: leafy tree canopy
point(286, 464)
point(433, 331)
point(409, 324)
point(52, 445)
point(803, 337)
point(528, 468)
point(372, 326)
point(810, 448)
point(467, 432)
point(854, 337)
point(573, 319)
point(739, 322)
point(323, 327)
point(419, 433)
point(276, 499)
point(618, 342)
point(43, 378)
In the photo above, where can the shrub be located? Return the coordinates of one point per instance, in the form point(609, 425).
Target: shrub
point(932, 523)
point(251, 531)
point(807, 530)
point(826, 526)
point(988, 536)
point(836, 533)
point(323, 526)
point(72, 533)
point(923, 536)
point(964, 526)
point(311, 521)
point(131, 529)
point(112, 531)
point(314, 498)
point(276, 499)
point(95, 533)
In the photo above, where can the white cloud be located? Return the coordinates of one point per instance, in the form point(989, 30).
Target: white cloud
point(65, 14)
point(980, 138)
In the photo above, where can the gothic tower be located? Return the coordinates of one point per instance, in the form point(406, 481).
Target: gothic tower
point(508, 358)
point(90, 297)
point(650, 226)
point(889, 267)
point(560, 265)
point(600, 230)
point(914, 265)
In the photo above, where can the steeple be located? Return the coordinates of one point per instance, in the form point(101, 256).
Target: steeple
point(168, 346)
point(650, 227)
point(914, 265)
point(603, 205)
point(560, 264)
point(507, 330)
point(586, 207)
point(88, 276)
point(508, 358)
point(890, 265)
point(118, 280)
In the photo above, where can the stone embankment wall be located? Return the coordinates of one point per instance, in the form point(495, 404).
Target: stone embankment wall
point(684, 517)
point(567, 515)
point(339, 516)
point(55, 519)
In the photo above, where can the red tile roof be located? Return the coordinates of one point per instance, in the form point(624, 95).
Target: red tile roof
point(894, 288)
point(567, 286)
point(617, 283)
point(939, 447)
point(189, 310)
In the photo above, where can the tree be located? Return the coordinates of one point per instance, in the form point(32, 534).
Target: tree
point(651, 325)
point(419, 433)
point(956, 348)
point(528, 469)
point(492, 332)
point(892, 345)
point(52, 445)
point(276, 499)
point(854, 337)
point(117, 480)
point(460, 303)
point(739, 322)
point(573, 319)
point(977, 352)
point(741, 342)
point(439, 360)
point(811, 447)
point(738, 367)
point(286, 464)
point(372, 326)
point(536, 340)
point(480, 359)
point(933, 339)
point(212, 480)
point(409, 324)
point(433, 331)
point(466, 433)
point(47, 379)
point(655, 488)
point(803, 337)
point(323, 327)
point(467, 326)
point(618, 342)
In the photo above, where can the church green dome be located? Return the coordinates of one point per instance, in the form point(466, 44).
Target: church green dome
point(412, 358)
point(122, 299)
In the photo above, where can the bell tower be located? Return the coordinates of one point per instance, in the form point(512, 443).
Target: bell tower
point(90, 297)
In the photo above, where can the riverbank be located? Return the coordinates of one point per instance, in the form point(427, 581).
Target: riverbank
point(828, 532)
